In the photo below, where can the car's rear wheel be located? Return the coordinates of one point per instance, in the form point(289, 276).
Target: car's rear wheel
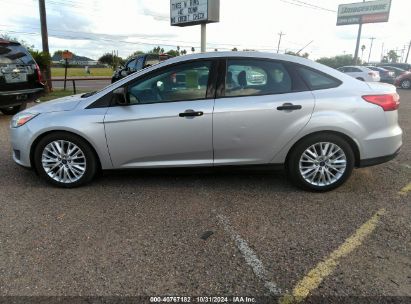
point(65, 160)
point(405, 84)
point(321, 162)
point(13, 110)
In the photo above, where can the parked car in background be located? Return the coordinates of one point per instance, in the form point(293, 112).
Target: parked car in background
point(361, 73)
point(216, 109)
point(397, 71)
point(385, 75)
point(20, 77)
point(403, 81)
point(403, 66)
point(137, 63)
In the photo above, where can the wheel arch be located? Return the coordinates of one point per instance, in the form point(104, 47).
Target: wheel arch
point(42, 135)
point(350, 141)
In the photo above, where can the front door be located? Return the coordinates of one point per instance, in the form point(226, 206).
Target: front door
point(168, 121)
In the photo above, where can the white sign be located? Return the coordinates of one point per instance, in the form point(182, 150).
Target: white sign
point(188, 11)
point(364, 12)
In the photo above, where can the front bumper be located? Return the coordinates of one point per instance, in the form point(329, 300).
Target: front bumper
point(21, 144)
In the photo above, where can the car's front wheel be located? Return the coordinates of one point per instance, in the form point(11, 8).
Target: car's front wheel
point(65, 160)
point(321, 162)
point(405, 84)
point(13, 110)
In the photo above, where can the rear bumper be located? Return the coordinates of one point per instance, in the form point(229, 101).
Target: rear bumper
point(14, 98)
point(377, 160)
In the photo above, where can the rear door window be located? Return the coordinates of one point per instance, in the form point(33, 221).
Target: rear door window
point(250, 77)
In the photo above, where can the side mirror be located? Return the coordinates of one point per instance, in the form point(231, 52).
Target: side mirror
point(121, 96)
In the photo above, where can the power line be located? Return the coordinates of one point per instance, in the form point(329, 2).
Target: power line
point(315, 6)
point(300, 4)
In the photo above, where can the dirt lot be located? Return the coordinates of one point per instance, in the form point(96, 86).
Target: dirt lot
point(196, 233)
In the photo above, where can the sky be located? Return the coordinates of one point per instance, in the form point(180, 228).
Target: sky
point(93, 27)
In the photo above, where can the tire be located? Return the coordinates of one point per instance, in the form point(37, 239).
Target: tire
point(405, 84)
point(360, 78)
point(65, 170)
point(332, 167)
point(13, 110)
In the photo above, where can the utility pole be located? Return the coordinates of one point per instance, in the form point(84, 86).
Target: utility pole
point(203, 37)
point(357, 45)
point(408, 52)
point(369, 55)
point(382, 52)
point(279, 41)
point(45, 40)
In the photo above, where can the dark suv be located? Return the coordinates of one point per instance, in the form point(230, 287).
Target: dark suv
point(20, 77)
point(137, 63)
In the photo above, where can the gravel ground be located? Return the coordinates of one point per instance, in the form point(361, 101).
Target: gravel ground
point(157, 232)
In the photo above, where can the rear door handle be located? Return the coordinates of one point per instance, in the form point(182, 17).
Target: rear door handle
point(191, 113)
point(289, 107)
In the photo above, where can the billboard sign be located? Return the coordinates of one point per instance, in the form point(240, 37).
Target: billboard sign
point(364, 12)
point(191, 12)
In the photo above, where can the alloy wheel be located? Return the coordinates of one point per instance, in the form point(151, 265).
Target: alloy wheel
point(406, 84)
point(63, 161)
point(322, 164)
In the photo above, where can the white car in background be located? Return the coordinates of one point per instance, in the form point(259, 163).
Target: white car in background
point(361, 73)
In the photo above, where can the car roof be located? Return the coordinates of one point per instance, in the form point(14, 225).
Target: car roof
point(258, 55)
point(238, 54)
point(392, 67)
point(4, 41)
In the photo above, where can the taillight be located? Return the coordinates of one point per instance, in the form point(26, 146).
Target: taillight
point(389, 102)
point(39, 79)
point(372, 74)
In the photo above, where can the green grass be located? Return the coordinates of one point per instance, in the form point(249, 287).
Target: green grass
point(58, 93)
point(78, 72)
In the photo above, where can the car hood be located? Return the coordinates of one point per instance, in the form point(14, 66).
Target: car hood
point(67, 103)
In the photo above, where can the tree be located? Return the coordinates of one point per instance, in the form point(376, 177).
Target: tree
point(136, 53)
point(234, 49)
point(43, 59)
point(157, 50)
point(193, 49)
point(111, 60)
point(392, 56)
point(362, 51)
point(337, 61)
point(173, 53)
point(184, 52)
point(215, 50)
point(304, 55)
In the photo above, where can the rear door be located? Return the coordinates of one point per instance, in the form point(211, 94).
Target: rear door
point(263, 104)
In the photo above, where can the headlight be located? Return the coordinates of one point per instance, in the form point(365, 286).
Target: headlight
point(21, 119)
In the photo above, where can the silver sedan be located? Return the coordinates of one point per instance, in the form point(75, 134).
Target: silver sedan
point(216, 109)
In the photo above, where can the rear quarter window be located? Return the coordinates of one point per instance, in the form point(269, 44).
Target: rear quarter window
point(317, 80)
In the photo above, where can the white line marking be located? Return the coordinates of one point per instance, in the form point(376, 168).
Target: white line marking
point(249, 256)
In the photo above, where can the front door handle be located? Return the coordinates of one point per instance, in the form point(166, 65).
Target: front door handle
point(191, 113)
point(289, 107)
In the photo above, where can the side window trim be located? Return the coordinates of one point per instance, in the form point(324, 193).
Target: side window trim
point(211, 85)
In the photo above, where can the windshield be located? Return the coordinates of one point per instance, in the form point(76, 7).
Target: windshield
point(14, 54)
